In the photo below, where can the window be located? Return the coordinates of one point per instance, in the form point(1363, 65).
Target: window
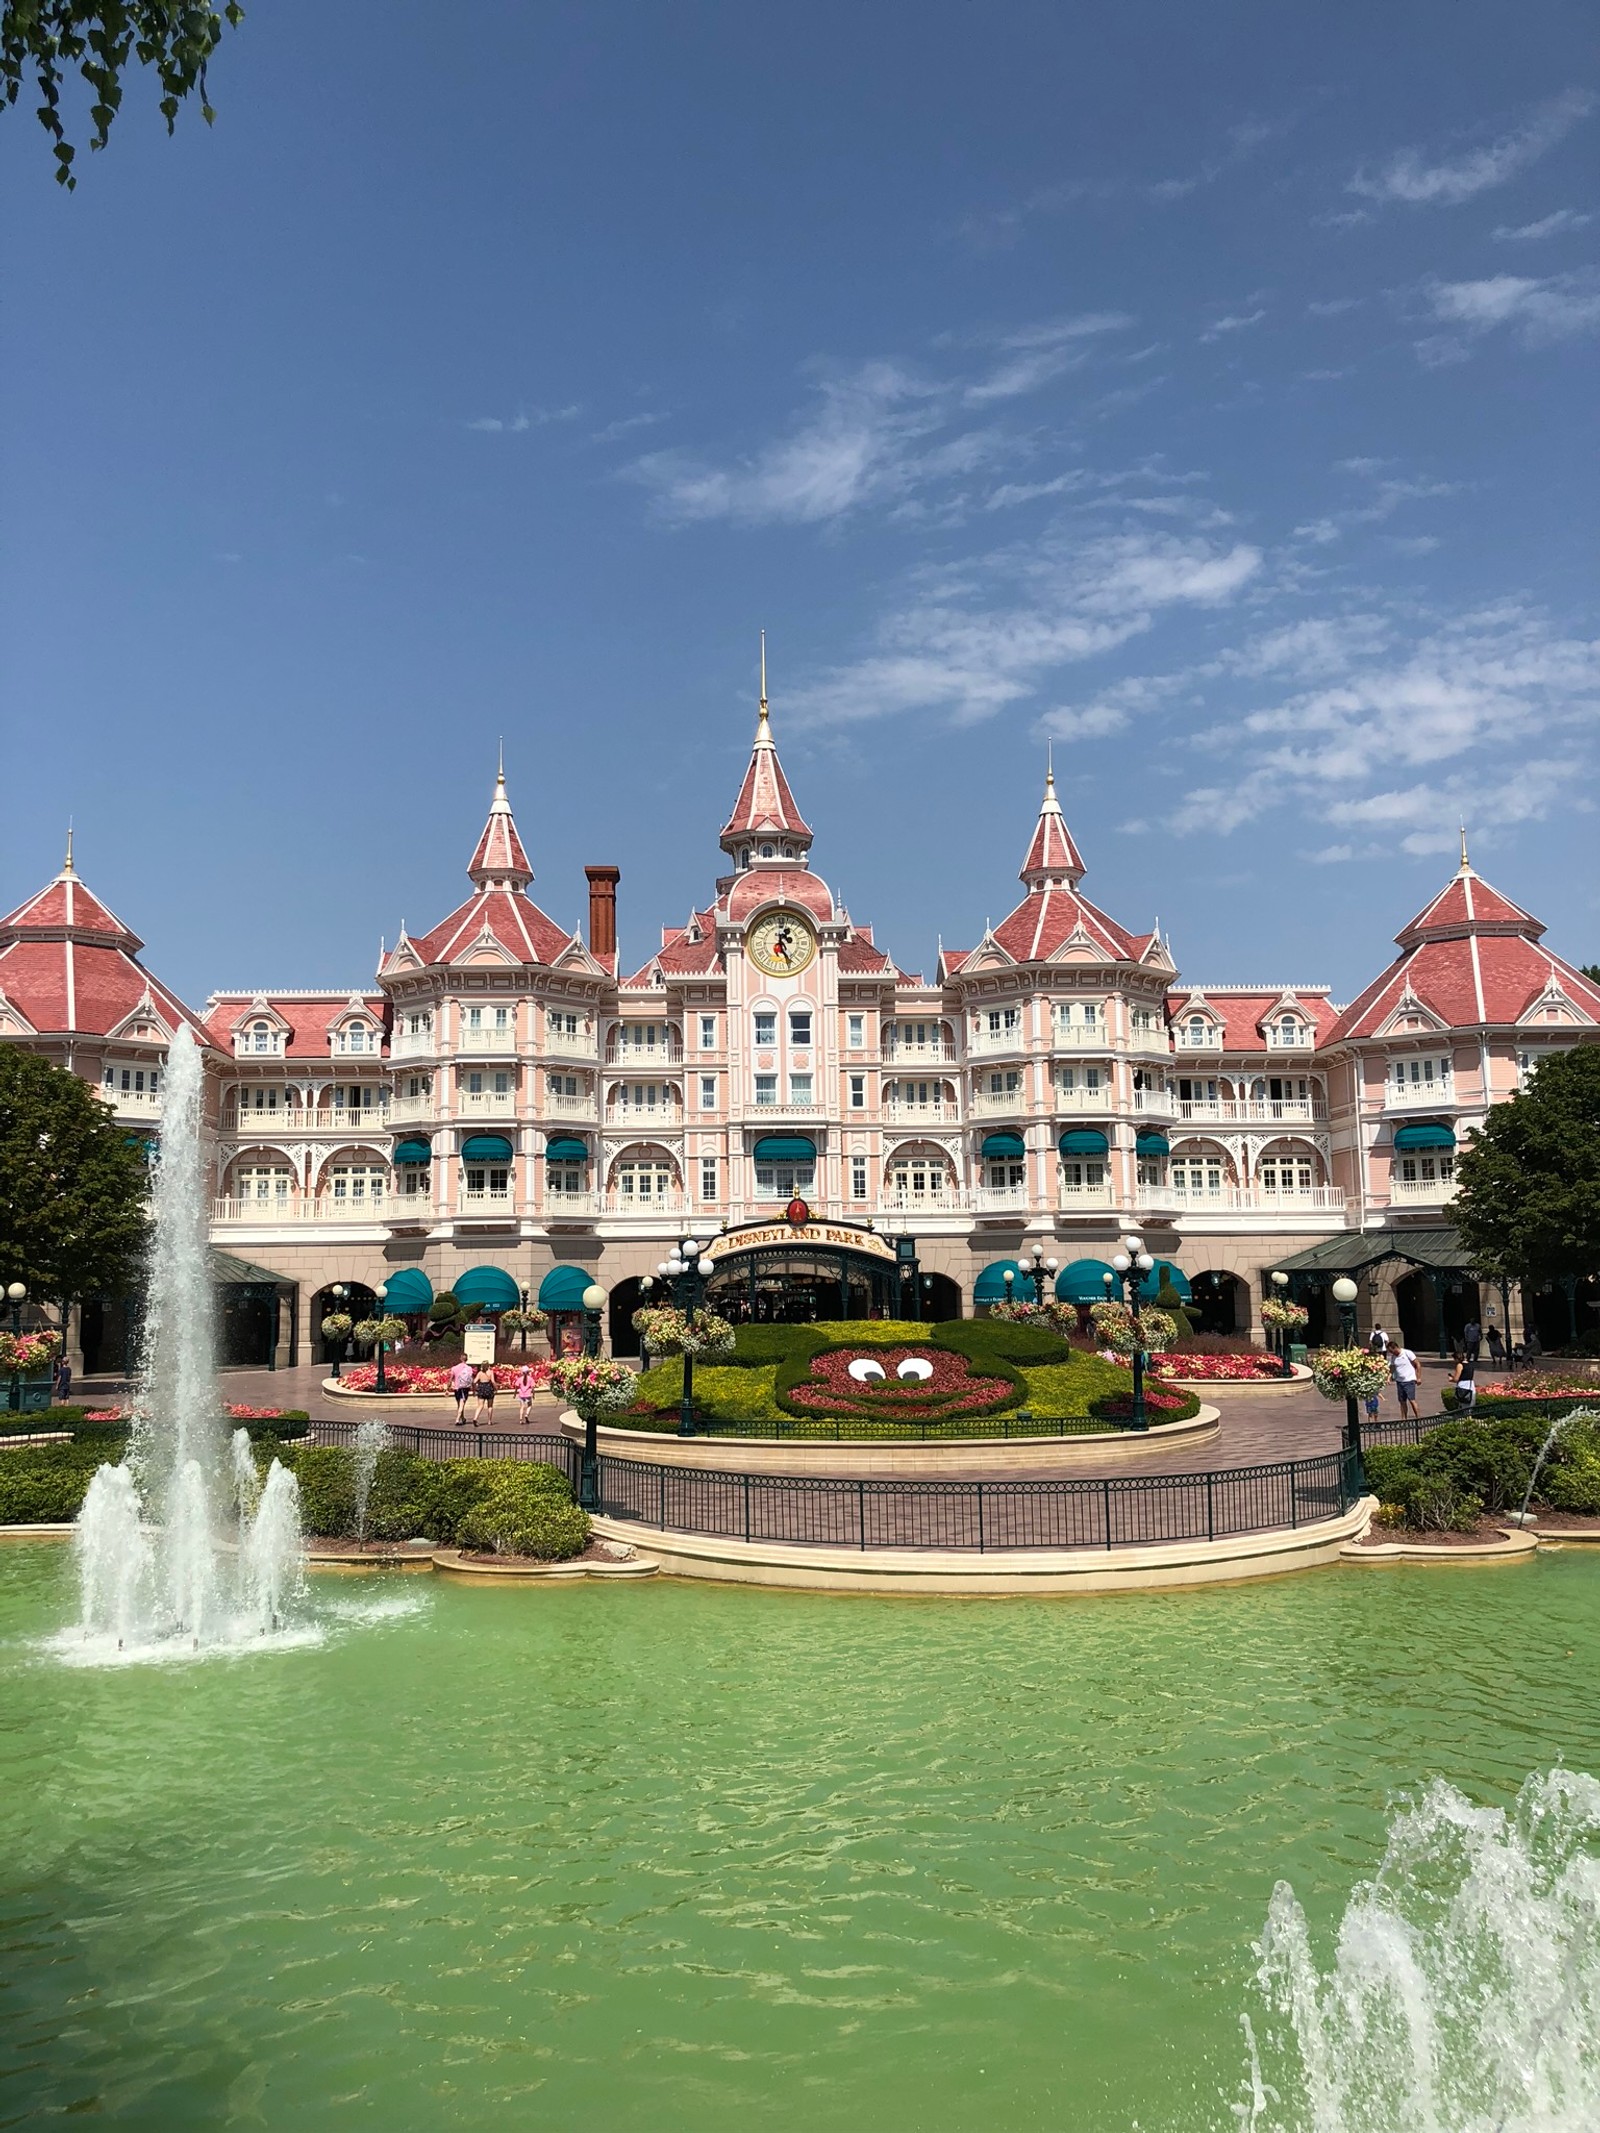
point(1288, 1030)
point(1003, 1086)
point(560, 1024)
point(917, 1095)
point(502, 1083)
point(1088, 1017)
point(766, 1025)
point(858, 1092)
point(642, 1180)
point(563, 1088)
point(263, 1184)
point(919, 1177)
point(708, 1033)
point(639, 1037)
point(708, 1177)
point(1079, 1081)
point(356, 1184)
point(1152, 1171)
point(744, 855)
point(473, 1019)
point(258, 1102)
point(800, 1028)
point(640, 1096)
point(1082, 1177)
point(418, 1025)
point(1005, 1176)
point(766, 1089)
point(487, 1178)
point(708, 1092)
point(1196, 1092)
point(414, 1181)
point(858, 1177)
point(800, 1088)
point(1422, 1077)
point(1197, 1177)
point(260, 1037)
point(766, 851)
point(916, 1037)
point(418, 1085)
point(781, 1181)
point(564, 1180)
point(1199, 1029)
point(1286, 1173)
point(1144, 1021)
point(855, 1031)
point(1000, 1023)
point(355, 1037)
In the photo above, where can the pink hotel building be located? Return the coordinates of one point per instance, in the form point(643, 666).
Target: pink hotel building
point(505, 1097)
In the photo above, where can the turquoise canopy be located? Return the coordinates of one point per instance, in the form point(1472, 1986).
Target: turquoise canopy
point(409, 1291)
point(1431, 1133)
point(562, 1288)
point(1149, 1143)
point(1005, 1144)
point(413, 1151)
point(490, 1288)
point(566, 1148)
point(1084, 1140)
point(785, 1148)
point(990, 1286)
point(1083, 1282)
point(486, 1148)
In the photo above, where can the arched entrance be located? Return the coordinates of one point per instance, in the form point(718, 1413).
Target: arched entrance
point(1564, 1314)
point(1222, 1301)
point(626, 1298)
point(941, 1298)
point(1433, 1309)
point(357, 1303)
point(789, 1273)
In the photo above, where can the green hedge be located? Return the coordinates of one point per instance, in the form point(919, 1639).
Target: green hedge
point(1462, 1471)
point(45, 1484)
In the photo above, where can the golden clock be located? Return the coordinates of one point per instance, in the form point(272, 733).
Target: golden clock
point(781, 943)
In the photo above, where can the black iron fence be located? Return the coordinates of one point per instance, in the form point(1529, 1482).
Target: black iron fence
point(847, 1429)
point(834, 1511)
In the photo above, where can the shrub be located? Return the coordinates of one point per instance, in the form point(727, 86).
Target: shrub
point(1012, 1340)
point(327, 1477)
point(517, 1513)
point(762, 1347)
point(40, 1421)
point(44, 1484)
point(1453, 1463)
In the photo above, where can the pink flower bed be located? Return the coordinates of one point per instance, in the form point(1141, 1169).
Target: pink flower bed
point(240, 1413)
point(1247, 1369)
point(105, 1414)
point(418, 1377)
point(1119, 1408)
point(942, 1384)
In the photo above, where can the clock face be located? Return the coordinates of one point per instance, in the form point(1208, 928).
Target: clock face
point(781, 943)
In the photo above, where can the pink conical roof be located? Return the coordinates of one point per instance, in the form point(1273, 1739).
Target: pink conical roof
point(765, 805)
point(1467, 904)
point(71, 967)
point(500, 858)
point(1052, 857)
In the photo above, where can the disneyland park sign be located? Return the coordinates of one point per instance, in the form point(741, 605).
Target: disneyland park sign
point(769, 1236)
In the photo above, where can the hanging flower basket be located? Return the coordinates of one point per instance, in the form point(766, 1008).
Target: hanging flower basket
point(21, 1354)
point(593, 1384)
point(1284, 1317)
point(338, 1326)
point(517, 1320)
point(1346, 1373)
point(665, 1330)
point(369, 1331)
point(1121, 1331)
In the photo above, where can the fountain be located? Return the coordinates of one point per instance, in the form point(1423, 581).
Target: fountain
point(372, 1437)
point(183, 1545)
point(1560, 1424)
point(1465, 1992)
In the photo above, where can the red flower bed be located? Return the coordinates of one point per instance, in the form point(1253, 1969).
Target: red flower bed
point(241, 1413)
point(1543, 1385)
point(849, 1381)
point(1249, 1368)
point(1119, 1407)
point(105, 1414)
point(418, 1377)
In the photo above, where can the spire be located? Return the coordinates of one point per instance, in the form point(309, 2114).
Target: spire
point(1052, 861)
point(1466, 863)
point(765, 811)
point(500, 861)
point(66, 867)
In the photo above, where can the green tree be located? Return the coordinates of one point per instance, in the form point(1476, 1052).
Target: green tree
point(1528, 1197)
point(1591, 971)
point(72, 1187)
point(45, 38)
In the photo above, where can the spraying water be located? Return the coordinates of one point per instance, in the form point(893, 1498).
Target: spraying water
point(182, 1545)
point(372, 1437)
point(1561, 1423)
point(1464, 1995)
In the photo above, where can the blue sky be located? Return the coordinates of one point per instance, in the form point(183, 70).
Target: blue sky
point(1212, 389)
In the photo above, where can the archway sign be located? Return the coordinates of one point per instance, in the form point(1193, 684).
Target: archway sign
point(799, 1268)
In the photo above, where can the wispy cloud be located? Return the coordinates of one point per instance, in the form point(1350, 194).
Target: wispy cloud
point(625, 427)
point(971, 642)
point(1408, 177)
point(1538, 312)
point(1032, 358)
point(1564, 218)
point(1233, 322)
point(525, 419)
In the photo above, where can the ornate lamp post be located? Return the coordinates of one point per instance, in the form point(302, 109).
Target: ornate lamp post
point(1039, 1272)
point(594, 1302)
point(339, 1292)
point(686, 1271)
point(1280, 1282)
point(1133, 1262)
point(16, 1296)
point(1344, 1295)
point(382, 1383)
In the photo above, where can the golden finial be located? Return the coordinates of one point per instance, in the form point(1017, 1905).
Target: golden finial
point(1050, 766)
point(763, 730)
point(67, 869)
point(1465, 862)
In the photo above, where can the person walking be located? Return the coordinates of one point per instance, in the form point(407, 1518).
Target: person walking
point(483, 1391)
point(1471, 1339)
point(1403, 1367)
point(1497, 1347)
point(1377, 1342)
point(1465, 1379)
point(460, 1386)
point(525, 1388)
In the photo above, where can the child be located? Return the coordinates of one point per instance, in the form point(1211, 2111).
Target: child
point(524, 1389)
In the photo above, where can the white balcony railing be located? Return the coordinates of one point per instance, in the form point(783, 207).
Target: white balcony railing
point(294, 1210)
point(1245, 1199)
point(759, 1113)
point(1082, 1037)
point(937, 1048)
point(569, 1044)
point(413, 1044)
point(643, 1118)
point(408, 1207)
point(486, 1037)
point(141, 1107)
point(1210, 1042)
point(1253, 1111)
point(1421, 1192)
point(486, 1203)
point(630, 1207)
point(569, 1107)
point(640, 1058)
point(569, 1206)
point(1150, 1043)
point(1101, 1100)
point(1419, 1095)
point(985, 1042)
point(1003, 1103)
point(1156, 1103)
point(899, 1113)
point(951, 1201)
point(408, 1110)
point(997, 1200)
point(1086, 1197)
point(486, 1103)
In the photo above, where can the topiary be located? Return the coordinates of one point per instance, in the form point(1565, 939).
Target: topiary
point(517, 1514)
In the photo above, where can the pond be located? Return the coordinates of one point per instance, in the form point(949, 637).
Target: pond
point(667, 1856)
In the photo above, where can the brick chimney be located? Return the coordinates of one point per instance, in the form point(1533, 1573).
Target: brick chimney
point(603, 909)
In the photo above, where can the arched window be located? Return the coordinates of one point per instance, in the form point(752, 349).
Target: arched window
point(260, 1037)
point(1198, 1029)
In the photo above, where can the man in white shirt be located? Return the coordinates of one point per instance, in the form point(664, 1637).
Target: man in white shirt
point(1403, 1363)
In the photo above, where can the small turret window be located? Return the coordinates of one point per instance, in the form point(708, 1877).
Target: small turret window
point(766, 851)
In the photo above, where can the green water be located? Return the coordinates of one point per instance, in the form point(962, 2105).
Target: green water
point(672, 1857)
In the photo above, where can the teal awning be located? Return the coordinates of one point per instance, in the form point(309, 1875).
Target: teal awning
point(489, 1288)
point(562, 1288)
point(408, 1292)
point(1083, 1282)
point(566, 1148)
point(486, 1148)
point(1429, 1133)
point(413, 1151)
point(990, 1286)
point(1084, 1140)
point(785, 1148)
point(1152, 1144)
point(1005, 1144)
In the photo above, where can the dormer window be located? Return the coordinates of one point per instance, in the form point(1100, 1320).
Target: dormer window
point(356, 1039)
point(766, 851)
point(260, 1037)
point(1199, 1029)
